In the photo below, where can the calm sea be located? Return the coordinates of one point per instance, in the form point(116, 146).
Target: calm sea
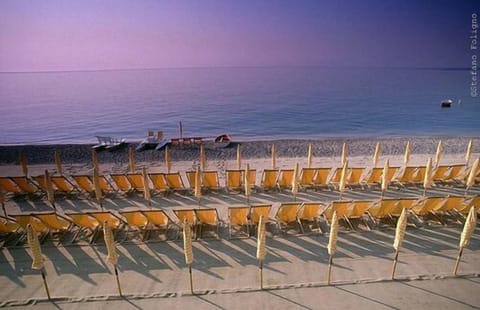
point(248, 103)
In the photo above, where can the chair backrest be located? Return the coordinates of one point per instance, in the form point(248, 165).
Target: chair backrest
point(210, 179)
point(269, 178)
point(440, 173)
point(358, 208)
point(40, 179)
point(340, 206)
point(52, 221)
point(207, 216)
point(24, 219)
point(84, 220)
point(457, 172)
point(403, 203)
point(310, 210)
point(355, 175)
point(25, 185)
point(473, 202)
point(337, 174)
point(407, 175)
point(136, 180)
point(238, 215)
point(428, 204)
point(287, 212)
point(306, 176)
point(383, 207)
point(102, 216)
point(186, 214)
point(9, 186)
point(158, 181)
point(122, 182)
point(252, 177)
point(157, 217)
point(105, 185)
point(84, 182)
point(257, 210)
point(174, 181)
point(62, 184)
point(285, 178)
point(321, 176)
point(452, 203)
point(191, 178)
point(233, 179)
point(135, 218)
point(8, 227)
point(374, 176)
point(420, 174)
point(392, 171)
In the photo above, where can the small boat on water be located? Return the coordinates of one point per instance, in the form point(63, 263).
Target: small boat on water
point(446, 103)
point(109, 144)
point(221, 141)
point(151, 141)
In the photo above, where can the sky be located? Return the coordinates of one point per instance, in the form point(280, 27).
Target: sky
point(59, 35)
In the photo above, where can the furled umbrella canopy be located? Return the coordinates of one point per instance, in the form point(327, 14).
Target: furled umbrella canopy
point(469, 227)
point(239, 157)
point(468, 154)
point(427, 182)
point(58, 162)
point(23, 164)
point(343, 177)
point(376, 154)
point(261, 238)
point(246, 181)
point(295, 180)
point(112, 256)
point(406, 157)
point(274, 156)
point(400, 230)
point(385, 180)
point(131, 160)
point(310, 156)
point(146, 188)
point(473, 173)
point(187, 243)
point(96, 185)
point(332, 238)
point(344, 153)
point(34, 245)
point(168, 161)
point(439, 152)
point(198, 184)
point(203, 158)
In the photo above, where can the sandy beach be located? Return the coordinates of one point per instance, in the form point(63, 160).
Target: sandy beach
point(225, 272)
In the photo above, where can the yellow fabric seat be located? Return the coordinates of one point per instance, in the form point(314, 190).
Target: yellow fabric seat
point(374, 176)
point(269, 179)
point(233, 179)
point(320, 178)
point(121, 182)
point(238, 217)
point(84, 183)
point(210, 180)
point(355, 176)
point(53, 221)
point(174, 181)
point(285, 178)
point(382, 208)
point(158, 181)
point(406, 175)
point(136, 181)
point(306, 177)
point(25, 185)
point(287, 215)
point(7, 185)
point(403, 203)
point(207, 217)
point(428, 204)
point(62, 184)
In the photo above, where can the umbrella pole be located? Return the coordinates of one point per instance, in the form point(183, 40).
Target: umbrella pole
point(458, 261)
point(45, 284)
point(191, 277)
point(394, 264)
point(261, 274)
point(118, 280)
point(4, 210)
point(330, 263)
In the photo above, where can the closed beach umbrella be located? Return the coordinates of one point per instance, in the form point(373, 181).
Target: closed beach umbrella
point(95, 161)
point(131, 160)
point(112, 256)
point(385, 180)
point(37, 257)
point(49, 186)
point(467, 232)
point(203, 159)
point(295, 181)
point(2, 201)
point(98, 189)
point(406, 157)
point(376, 154)
point(343, 178)
point(274, 156)
point(438, 154)
point(146, 187)
point(310, 155)
point(180, 128)
point(58, 162)
point(261, 250)
point(23, 164)
point(246, 182)
point(239, 157)
point(468, 154)
point(168, 161)
point(187, 247)
point(344, 153)
point(332, 243)
point(427, 181)
point(399, 234)
point(473, 173)
point(198, 184)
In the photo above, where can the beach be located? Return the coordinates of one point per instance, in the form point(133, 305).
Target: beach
point(225, 271)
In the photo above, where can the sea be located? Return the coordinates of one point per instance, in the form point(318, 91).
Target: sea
point(249, 103)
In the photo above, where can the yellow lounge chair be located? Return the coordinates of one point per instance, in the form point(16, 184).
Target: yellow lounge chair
point(451, 203)
point(382, 208)
point(210, 180)
point(40, 180)
point(135, 220)
point(54, 221)
point(337, 174)
point(105, 185)
point(428, 205)
point(233, 179)
point(159, 219)
point(207, 218)
point(440, 173)
point(340, 206)
point(25, 185)
point(269, 179)
point(24, 219)
point(285, 178)
point(256, 211)
point(159, 182)
point(85, 222)
point(84, 183)
point(373, 177)
point(320, 178)
point(287, 215)
point(121, 182)
point(8, 226)
point(357, 210)
point(252, 178)
point(355, 176)
point(174, 181)
point(310, 212)
point(238, 217)
point(457, 173)
point(306, 177)
point(392, 171)
point(420, 174)
point(136, 181)
point(112, 220)
point(63, 184)
point(8, 186)
point(469, 203)
point(406, 176)
point(191, 178)
point(403, 203)
point(186, 215)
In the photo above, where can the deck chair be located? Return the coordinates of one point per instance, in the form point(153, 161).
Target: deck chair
point(403, 203)
point(355, 176)
point(24, 219)
point(320, 179)
point(306, 177)
point(136, 181)
point(174, 181)
point(121, 182)
point(84, 183)
point(451, 203)
point(40, 180)
point(255, 212)
point(382, 209)
point(191, 178)
point(337, 174)
point(238, 217)
point(440, 174)
point(55, 222)
point(252, 178)
point(457, 173)
point(419, 175)
point(85, 222)
point(113, 221)
point(392, 171)
point(287, 215)
point(406, 176)
point(428, 205)
point(157, 220)
point(136, 221)
point(310, 212)
point(8, 186)
point(8, 229)
point(269, 179)
point(285, 178)
point(189, 216)
point(207, 218)
point(105, 185)
point(63, 184)
point(159, 182)
point(373, 177)
point(342, 209)
point(210, 180)
point(469, 203)
point(357, 210)
point(233, 179)
point(25, 185)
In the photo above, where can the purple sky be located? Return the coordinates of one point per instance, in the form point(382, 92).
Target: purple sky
point(115, 34)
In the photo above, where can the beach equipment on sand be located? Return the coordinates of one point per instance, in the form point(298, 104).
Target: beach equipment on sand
point(295, 182)
point(310, 156)
point(406, 157)
point(23, 164)
point(49, 188)
point(332, 244)
point(203, 159)
point(98, 189)
point(427, 181)
point(146, 187)
point(187, 247)
point(344, 153)
point(472, 175)
point(2, 201)
point(168, 161)
point(261, 251)
point(95, 160)
point(343, 178)
point(131, 159)
point(58, 162)
point(274, 156)
point(112, 256)
point(246, 182)
point(468, 154)
point(376, 154)
point(239, 157)
point(385, 180)
point(438, 154)
point(399, 234)
point(467, 232)
point(37, 256)
point(198, 185)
